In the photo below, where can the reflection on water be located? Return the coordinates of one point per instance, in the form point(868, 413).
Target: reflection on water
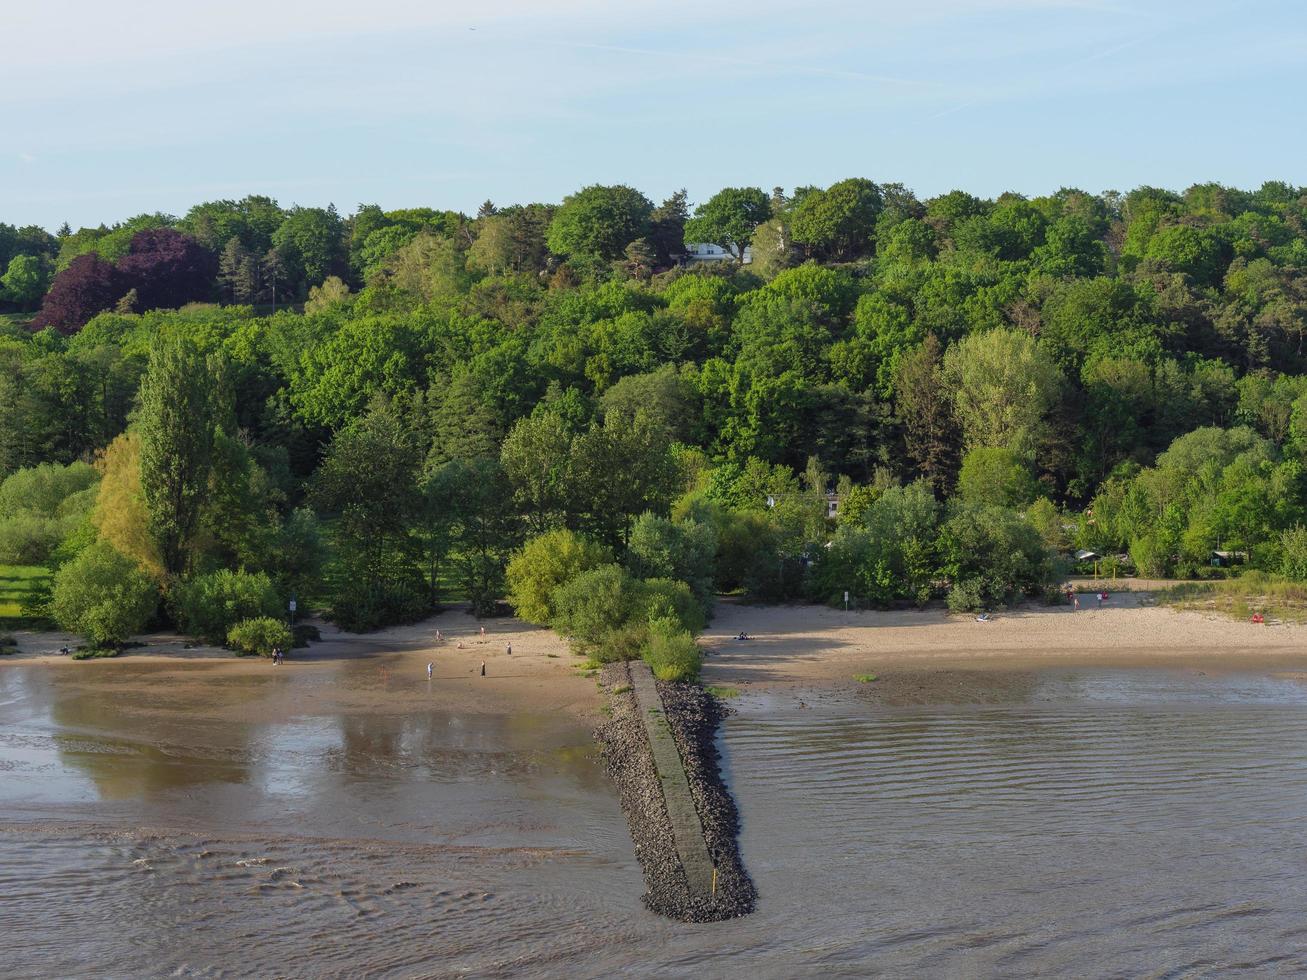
point(1069, 822)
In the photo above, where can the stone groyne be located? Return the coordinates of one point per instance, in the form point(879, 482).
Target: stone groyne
point(660, 748)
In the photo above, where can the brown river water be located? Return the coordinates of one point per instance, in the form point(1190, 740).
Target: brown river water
point(1077, 823)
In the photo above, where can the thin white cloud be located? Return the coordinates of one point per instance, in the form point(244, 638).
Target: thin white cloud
point(774, 67)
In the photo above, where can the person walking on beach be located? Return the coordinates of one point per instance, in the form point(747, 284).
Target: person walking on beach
point(483, 631)
point(1100, 600)
point(429, 665)
point(483, 668)
point(1075, 603)
point(509, 649)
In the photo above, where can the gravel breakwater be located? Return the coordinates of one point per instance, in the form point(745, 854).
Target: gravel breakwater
point(693, 716)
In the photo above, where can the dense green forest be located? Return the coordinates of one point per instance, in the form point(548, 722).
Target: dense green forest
point(201, 416)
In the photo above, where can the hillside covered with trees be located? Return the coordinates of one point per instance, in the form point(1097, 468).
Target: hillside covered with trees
point(202, 416)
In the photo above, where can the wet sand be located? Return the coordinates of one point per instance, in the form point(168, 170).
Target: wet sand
point(387, 671)
point(916, 655)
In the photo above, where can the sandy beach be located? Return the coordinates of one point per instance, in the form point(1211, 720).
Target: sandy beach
point(815, 645)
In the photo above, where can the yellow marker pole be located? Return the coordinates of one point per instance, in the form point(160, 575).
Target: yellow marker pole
point(714, 881)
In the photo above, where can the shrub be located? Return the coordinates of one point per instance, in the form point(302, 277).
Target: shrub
point(1293, 553)
point(627, 642)
point(967, 596)
point(1149, 556)
point(685, 550)
point(40, 507)
point(672, 654)
point(992, 556)
point(659, 598)
point(259, 635)
point(28, 539)
point(43, 489)
point(368, 606)
point(209, 605)
point(104, 596)
point(543, 565)
point(594, 603)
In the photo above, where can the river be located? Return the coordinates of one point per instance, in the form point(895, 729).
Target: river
point(1075, 823)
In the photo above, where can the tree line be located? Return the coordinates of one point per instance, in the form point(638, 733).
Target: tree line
point(383, 410)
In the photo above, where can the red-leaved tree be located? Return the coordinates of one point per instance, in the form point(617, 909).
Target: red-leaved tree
point(168, 269)
point(89, 285)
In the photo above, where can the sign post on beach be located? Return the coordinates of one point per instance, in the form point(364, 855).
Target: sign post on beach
point(846, 600)
point(292, 612)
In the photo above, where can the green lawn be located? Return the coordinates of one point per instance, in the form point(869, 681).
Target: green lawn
point(17, 582)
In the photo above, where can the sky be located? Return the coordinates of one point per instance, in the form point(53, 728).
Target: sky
point(111, 110)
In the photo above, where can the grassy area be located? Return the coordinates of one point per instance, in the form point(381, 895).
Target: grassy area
point(864, 678)
point(723, 692)
point(96, 653)
point(1274, 598)
point(18, 583)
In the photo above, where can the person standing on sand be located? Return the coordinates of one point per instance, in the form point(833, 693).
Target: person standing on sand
point(509, 649)
point(429, 665)
point(483, 631)
point(1075, 603)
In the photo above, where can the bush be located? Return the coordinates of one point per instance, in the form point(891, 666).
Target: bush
point(1293, 553)
point(40, 507)
point(28, 539)
point(992, 556)
point(672, 654)
point(684, 550)
point(1149, 556)
point(543, 565)
point(660, 598)
point(43, 489)
point(362, 607)
point(209, 605)
point(103, 595)
point(627, 642)
point(968, 596)
point(259, 635)
point(595, 603)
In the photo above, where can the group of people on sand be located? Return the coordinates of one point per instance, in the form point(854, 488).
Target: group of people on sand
point(278, 656)
point(440, 638)
point(1073, 597)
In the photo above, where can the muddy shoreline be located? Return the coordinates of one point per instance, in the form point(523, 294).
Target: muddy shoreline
point(693, 716)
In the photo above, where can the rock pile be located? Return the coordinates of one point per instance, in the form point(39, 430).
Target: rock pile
point(693, 716)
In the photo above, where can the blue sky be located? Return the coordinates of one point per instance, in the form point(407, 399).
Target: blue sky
point(110, 110)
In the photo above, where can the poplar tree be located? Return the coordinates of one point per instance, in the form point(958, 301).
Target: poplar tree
point(176, 422)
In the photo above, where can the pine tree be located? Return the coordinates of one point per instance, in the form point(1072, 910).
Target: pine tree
point(275, 274)
point(667, 234)
point(238, 273)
